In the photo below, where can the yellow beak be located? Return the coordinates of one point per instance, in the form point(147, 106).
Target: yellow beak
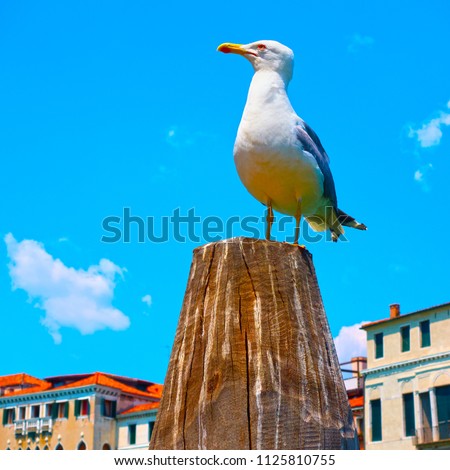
point(229, 48)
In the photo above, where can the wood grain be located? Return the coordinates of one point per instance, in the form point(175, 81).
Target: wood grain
point(253, 364)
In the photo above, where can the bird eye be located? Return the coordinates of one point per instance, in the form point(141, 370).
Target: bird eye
point(261, 47)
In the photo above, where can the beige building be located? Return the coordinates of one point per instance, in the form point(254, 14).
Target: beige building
point(135, 427)
point(407, 381)
point(71, 412)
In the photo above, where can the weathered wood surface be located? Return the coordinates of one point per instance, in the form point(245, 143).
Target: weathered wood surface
point(253, 365)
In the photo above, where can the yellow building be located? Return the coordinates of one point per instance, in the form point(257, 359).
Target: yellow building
point(72, 412)
point(407, 381)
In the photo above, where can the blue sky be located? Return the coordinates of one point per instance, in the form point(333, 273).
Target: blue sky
point(114, 104)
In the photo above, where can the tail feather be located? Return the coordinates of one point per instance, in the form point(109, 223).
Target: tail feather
point(349, 221)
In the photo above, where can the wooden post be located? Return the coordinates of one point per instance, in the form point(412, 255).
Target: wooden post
point(253, 365)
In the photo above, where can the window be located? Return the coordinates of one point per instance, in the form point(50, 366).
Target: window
point(60, 410)
point(408, 414)
point(132, 434)
point(22, 412)
point(8, 416)
point(405, 335)
point(425, 339)
point(109, 408)
point(379, 345)
point(82, 446)
point(48, 410)
point(59, 446)
point(443, 411)
point(375, 411)
point(151, 425)
point(35, 411)
point(82, 407)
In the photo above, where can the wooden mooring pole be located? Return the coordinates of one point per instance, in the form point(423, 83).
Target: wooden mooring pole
point(253, 365)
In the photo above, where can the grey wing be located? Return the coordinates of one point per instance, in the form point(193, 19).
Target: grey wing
point(310, 143)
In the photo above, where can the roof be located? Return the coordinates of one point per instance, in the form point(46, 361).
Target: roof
point(141, 408)
point(153, 391)
point(356, 402)
point(401, 317)
point(101, 379)
point(22, 384)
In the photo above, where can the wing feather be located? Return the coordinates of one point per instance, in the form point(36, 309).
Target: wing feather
point(310, 143)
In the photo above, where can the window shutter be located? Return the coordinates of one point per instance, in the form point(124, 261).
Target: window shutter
point(113, 409)
point(375, 406)
point(408, 410)
point(88, 407)
point(425, 333)
point(66, 409)
point(151, 425)
point(14, 414)
point(77, 408)
point(404, 330)
point(5, 415)
point(55, 407)
point(379, 345)
point(103, 407)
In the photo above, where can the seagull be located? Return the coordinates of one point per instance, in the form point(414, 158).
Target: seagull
point(279, 158)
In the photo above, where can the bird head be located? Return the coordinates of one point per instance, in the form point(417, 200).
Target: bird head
point(264, 55)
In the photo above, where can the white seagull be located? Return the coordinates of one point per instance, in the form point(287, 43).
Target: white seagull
point(279, 158)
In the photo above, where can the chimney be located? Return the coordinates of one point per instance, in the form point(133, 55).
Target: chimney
point(394, 310)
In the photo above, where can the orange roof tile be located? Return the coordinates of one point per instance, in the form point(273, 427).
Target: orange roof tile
point(140, 408)
point(356, 402)
point(101, 379)
point(17, 380)
point(156, 390)
point(153, 391)
point(21, 379)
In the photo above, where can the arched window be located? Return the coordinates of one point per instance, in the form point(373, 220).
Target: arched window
point(59, 447)
point(37, 448)
point(46, 447)
point(106, 447)
point(28, 448)
point(82, 446)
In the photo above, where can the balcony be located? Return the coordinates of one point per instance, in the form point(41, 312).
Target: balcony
point(46, 425)
point(33, 425)
point(440, 433)
point(20, 426)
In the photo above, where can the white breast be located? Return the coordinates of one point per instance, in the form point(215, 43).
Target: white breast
point(267, 154)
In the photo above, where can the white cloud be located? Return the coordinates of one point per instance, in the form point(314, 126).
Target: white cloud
point(147, 299)
point(178, 137)
point(73, 298)
point(420, 176)
point(351, 342)
point(358, 41)
point(182, 137)
point(430, 134)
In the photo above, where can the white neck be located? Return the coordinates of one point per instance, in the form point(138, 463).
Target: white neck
point(268, 91)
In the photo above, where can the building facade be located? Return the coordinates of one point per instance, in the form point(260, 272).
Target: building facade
point(76, 412)
point(135, 427)
point(407, 381)
point(352, 372)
